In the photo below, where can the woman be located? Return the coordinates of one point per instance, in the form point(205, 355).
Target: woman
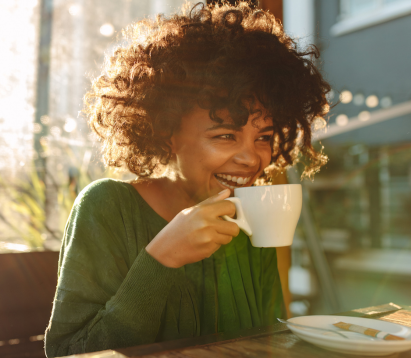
point(195, 106)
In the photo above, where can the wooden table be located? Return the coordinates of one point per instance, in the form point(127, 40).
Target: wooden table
point(272, 341)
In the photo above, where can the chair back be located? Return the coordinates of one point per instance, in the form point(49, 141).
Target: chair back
point(27, 286)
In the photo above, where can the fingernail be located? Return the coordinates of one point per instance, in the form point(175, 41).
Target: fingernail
point(221, 192)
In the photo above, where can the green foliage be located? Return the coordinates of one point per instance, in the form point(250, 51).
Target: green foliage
point(25, 214)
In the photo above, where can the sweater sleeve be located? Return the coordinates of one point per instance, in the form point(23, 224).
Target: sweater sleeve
point(103, 300)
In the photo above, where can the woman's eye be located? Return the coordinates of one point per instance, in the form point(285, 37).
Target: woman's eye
point(265, 138)
point(226, 136)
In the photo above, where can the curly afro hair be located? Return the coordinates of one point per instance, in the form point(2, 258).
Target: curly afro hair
point(215, 57)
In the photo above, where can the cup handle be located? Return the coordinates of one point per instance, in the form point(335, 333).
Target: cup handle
point(240, 221)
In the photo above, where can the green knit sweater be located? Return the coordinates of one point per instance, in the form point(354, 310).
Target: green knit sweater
point(111, 293)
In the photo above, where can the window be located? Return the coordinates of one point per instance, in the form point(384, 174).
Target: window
point(80, 32)
point(359, 14)
point(349, 8)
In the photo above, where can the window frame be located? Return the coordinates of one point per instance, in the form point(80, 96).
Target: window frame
point(384, 13)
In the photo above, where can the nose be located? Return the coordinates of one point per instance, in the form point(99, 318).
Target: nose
point(247, 155)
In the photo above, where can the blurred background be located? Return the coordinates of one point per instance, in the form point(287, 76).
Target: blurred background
point(353, 243)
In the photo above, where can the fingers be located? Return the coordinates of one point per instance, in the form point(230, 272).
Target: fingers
point(219, 208)
point(222, 239)
point(220, 196)
point(216, 206)
point(218, 232)
point(226, 228)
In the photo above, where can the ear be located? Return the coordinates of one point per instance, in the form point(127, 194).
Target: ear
point(167, 141)
point(172, 143)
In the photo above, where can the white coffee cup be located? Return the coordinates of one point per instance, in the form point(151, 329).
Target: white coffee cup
point(268, 214)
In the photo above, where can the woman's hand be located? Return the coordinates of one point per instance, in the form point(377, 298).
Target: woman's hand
point(195, 233)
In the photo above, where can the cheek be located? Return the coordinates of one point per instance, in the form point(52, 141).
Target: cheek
point(266, 157)
point(209, 157)
point(199, 160)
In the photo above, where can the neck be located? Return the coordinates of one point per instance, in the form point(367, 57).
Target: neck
point(165, 196)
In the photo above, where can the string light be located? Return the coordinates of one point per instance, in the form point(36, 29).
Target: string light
point(372, 101)
point(107, 30)
point(346, 96)
point(341, 120)
point(386, 102)
point(359, 99)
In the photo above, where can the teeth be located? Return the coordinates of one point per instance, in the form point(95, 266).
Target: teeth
point(230, 186)
point(239, 180)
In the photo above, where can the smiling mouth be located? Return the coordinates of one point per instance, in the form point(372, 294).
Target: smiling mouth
point(232, 182)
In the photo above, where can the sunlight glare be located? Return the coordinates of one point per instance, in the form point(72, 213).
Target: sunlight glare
point(74, 9)
point(18, 37)
point(14, 247)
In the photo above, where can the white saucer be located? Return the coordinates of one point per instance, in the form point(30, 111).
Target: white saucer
point(357, 343)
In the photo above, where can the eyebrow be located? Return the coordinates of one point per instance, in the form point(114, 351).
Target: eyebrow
point(236, 128)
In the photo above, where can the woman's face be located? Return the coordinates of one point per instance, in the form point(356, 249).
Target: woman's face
point(209, 157)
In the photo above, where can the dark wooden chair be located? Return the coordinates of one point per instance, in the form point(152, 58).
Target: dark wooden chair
point(27, 286)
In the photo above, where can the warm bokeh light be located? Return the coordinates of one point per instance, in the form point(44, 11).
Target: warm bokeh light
point(372, 101)
point(45, 120)
point(74, 9)
point(364, 116)
point(70, 125)
point(107, 30)
point(55, 131)
point(346, 96)
point(37, 127)
point(341, 120)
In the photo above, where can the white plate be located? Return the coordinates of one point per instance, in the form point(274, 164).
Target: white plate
point(357, 342)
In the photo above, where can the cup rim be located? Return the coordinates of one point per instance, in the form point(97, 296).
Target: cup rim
point(261, 186)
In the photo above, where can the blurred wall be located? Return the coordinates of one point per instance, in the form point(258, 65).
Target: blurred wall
point(369, 61)
point(375, 59)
